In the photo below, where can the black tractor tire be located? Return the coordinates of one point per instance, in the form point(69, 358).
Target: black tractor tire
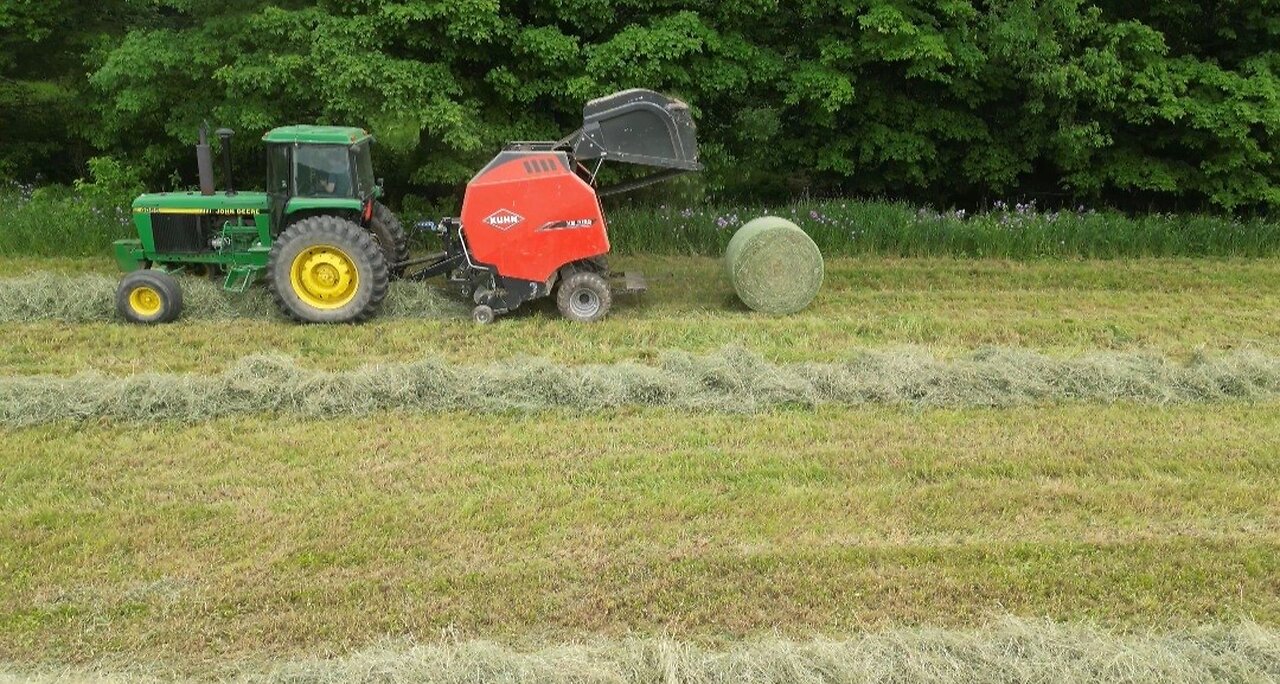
point(584, 296)
point(149, 297)
point(389, 232)
point(326, 269)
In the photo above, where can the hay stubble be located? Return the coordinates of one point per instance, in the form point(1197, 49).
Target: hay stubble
point(1005, 652)
point(90, 298)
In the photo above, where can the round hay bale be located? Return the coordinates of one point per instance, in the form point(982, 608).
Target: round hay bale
point(774, 266)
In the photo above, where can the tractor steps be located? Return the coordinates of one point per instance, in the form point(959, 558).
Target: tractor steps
point(239, 278)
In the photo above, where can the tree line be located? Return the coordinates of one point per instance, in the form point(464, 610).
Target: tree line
point(1172, 104)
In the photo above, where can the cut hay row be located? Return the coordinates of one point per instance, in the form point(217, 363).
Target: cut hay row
point(90, 298)
point(1009, 651)
point(732, 380)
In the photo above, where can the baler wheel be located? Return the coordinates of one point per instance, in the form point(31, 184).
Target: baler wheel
point(482, 314)
point(149, 297)
point(584, 297)
point(389, 232)
point(326, 269)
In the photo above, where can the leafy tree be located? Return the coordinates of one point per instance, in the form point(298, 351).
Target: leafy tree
point(1161, 104)
point(42, 86)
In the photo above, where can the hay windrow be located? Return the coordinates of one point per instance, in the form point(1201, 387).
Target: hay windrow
point(1011, 650)
point(774, 266)
point(733, 380)
point(90, 298)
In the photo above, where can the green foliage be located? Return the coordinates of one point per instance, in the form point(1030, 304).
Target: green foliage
point(1017, 231)
point(57, 223)
point(1173, 104)
point(57, 220)
point(62, 221)
point(112, 183)
point(44, 98)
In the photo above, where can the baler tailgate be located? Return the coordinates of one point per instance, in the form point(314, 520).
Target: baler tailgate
point(637, 127)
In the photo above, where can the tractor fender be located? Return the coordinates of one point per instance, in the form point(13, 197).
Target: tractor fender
point(301, 208)
point(322, 205)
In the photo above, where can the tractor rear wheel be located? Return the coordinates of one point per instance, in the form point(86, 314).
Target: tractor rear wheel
point(584, 296)
point(148, 297)
point(326, 269)
point(389, 233)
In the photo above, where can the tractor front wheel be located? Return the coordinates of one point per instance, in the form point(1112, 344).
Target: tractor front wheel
point(148, 297)
point(326, 269)
point(584, 297)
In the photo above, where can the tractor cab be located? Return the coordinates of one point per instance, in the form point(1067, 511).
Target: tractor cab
point(323, 163)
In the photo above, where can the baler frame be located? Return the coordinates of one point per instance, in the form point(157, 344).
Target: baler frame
point(636, 126)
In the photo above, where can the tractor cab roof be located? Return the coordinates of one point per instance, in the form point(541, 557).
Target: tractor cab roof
point(317, 135)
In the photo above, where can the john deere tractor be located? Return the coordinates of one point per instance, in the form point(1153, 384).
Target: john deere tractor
point(319, 236)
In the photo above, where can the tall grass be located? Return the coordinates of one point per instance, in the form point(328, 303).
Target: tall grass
point(1008, 231)
point(64, 222)
point(56, 221)
point(733, 380)
point(1007, 652)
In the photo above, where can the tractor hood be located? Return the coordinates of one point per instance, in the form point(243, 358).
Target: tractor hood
point(637, 127)
point(196, 203)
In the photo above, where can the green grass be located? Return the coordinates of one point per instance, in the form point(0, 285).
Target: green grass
point(56, 222)
point(270, 537)
point(236, 544)
point(1174, 307)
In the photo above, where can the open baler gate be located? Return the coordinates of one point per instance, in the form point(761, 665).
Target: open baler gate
point(640, 127)
point(637, 127)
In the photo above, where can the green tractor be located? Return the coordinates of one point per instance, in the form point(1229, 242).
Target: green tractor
point(319, 235)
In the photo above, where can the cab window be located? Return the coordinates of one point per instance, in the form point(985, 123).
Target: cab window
point(278, 170)
point(323, 171)
point(364, 169)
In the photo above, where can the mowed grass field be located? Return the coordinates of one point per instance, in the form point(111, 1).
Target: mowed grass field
point(1174, 307)
point(190, 546)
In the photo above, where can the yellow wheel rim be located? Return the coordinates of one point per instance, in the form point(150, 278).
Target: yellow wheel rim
point(324, 277)
point(145, 301)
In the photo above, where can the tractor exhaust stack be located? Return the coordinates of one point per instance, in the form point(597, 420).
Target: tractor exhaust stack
point(224, 134)
point(204, 162)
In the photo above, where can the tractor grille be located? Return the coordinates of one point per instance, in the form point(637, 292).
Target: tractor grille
point(181, 233)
